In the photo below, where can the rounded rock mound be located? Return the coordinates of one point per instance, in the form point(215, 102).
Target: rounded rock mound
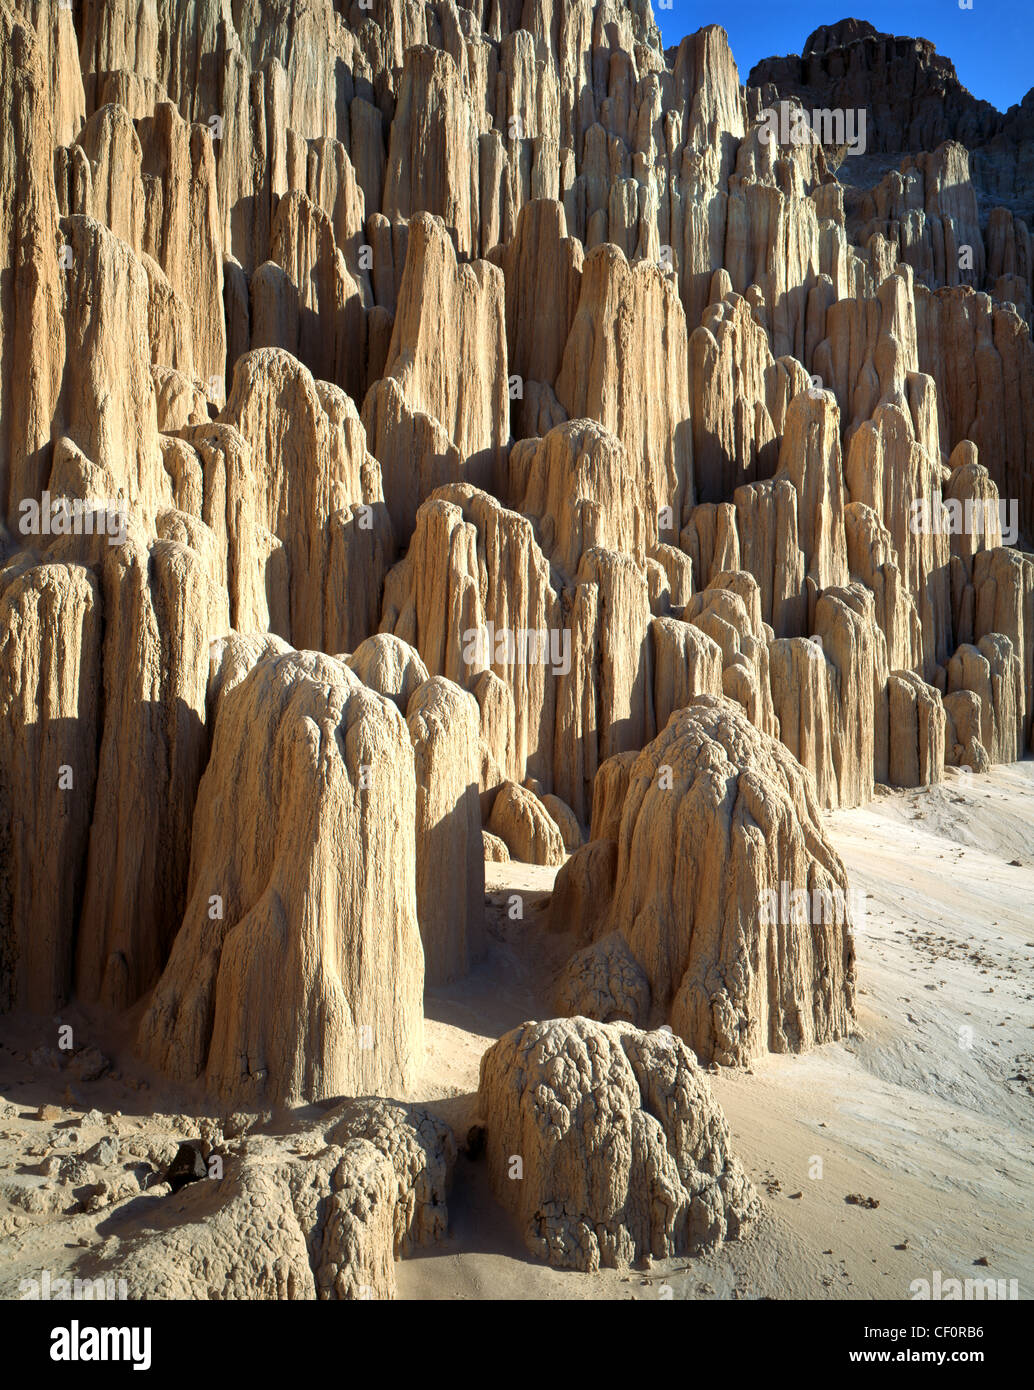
point(607, 1145)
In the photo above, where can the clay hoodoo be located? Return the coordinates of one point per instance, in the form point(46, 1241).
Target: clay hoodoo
point(302, 898)
point(733, 906)
point(623, 1150)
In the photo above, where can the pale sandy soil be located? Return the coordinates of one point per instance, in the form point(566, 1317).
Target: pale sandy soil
point(935, 1124)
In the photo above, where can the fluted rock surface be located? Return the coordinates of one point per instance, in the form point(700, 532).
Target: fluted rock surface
point(150, 762)
point(719, 841)
point(31, 297)
point(439, 412)
point(302, 897)
point(443, 724)
point(50, 669)
point(317, 493)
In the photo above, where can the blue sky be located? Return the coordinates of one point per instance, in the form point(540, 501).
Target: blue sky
point(991, 45)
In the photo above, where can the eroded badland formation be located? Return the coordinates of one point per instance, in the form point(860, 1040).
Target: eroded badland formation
point(449, 435)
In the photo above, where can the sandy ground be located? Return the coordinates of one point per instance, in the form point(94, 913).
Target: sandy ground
point(928, 1108)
